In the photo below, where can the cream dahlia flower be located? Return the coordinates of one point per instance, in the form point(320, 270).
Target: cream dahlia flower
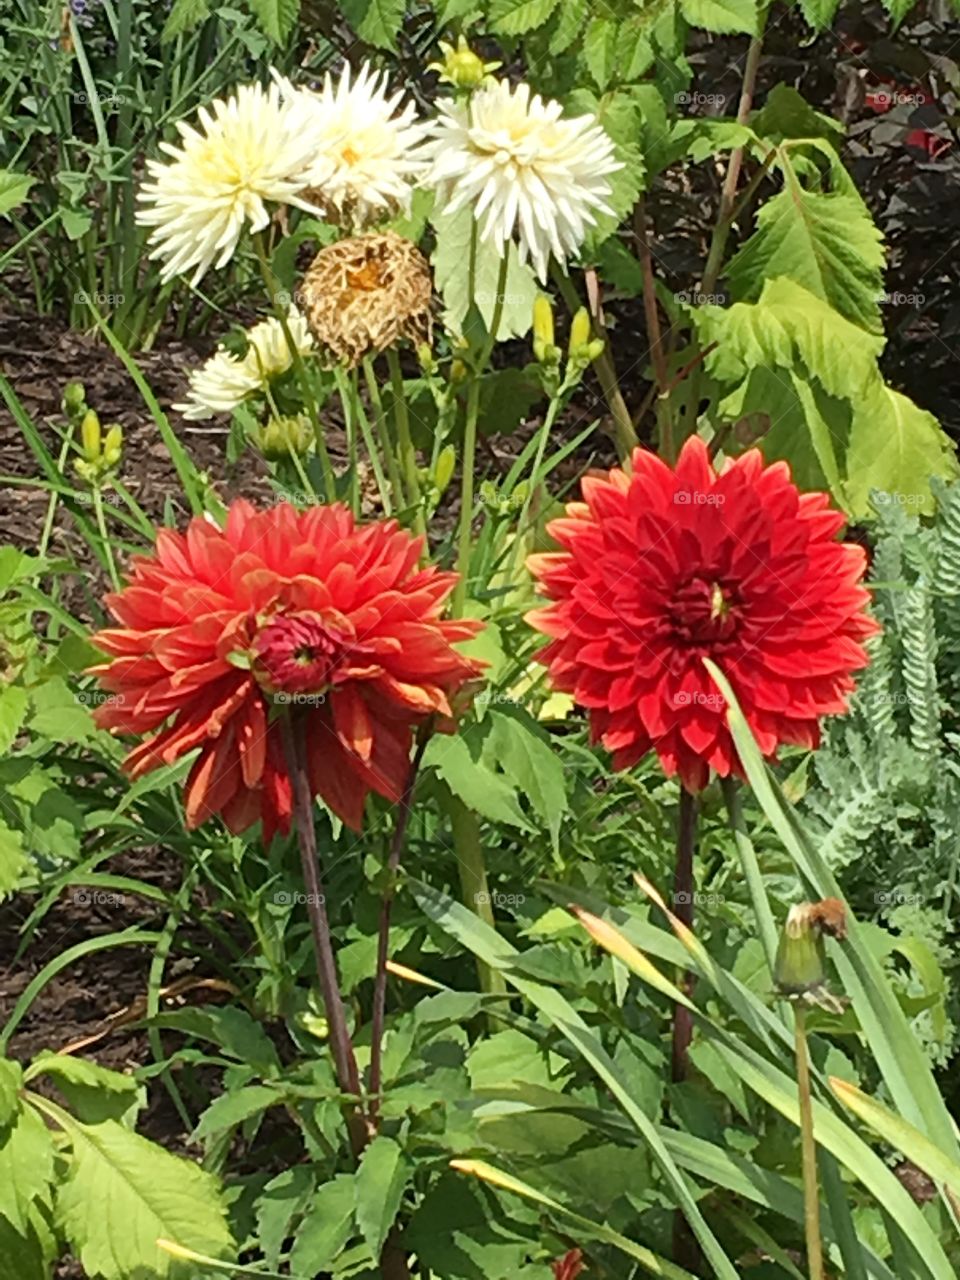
point(226, 381)
point(525, 169)
point(368, 148)
point(250, 150)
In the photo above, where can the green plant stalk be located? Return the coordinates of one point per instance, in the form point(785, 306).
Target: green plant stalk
point(293, 734)
point(751, 871)
point(54, 497)
point(105, 540)
point(303, 375)
point(811, 1194)
point(383, 433)
point(683, 888)
point(408, 455)
point(373, 453)
point(345, 391)
point(474, 887)
point(469, 462)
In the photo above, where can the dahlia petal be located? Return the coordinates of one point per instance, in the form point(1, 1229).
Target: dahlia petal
point(352, 721)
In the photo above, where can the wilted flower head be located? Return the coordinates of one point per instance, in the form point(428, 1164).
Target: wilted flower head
point(367, 150)
point(526, 171)
point(663, 567)
point(290, 612)
point(251, 149)
point(225, 380)
point(363, 295)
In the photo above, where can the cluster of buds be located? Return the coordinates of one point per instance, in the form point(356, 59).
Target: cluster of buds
point(582, 347)
point(461, 67)
point(100, 452)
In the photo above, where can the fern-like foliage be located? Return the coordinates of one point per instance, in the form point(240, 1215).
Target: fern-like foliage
point(885, 786)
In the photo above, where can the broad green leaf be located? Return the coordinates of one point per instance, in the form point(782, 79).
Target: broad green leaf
point(378, 22)
point(651, 1262)
point(277, 18)
point(451, 261)
point(93, 1093)
point(234, 1107)
point(13, 859)
point(825, 241)
point(14, 189)
point(27, 1255)
point(26, 1167)
point(236, 1033)
point(787, 114)
point(326, 1228)
point(496, 952)
point(379, 1183)
point(183, 17)
point(524, 753)
point(62, 713)
point(601, 50)
point(282, 1200)
point(819, 13)
point(514, 17)
point(895, 446)
point(722, 16)
point(788, 325)
point(11, 1077)
point(488, 793)
point(123, 1193)
point(570, 19)
point(13, 708)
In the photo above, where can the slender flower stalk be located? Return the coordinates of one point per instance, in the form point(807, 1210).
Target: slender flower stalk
point(811, 1192)
point(293, 732)
point(408, 455)
point(683, 902)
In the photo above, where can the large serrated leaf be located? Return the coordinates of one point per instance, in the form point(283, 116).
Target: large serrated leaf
point(524, 753)
point(13, 858)
point(26, 1167)
point(488, 793)
point(183, 17)
point(825, 241)
point(515, 17)
point(276, 18)
point(379, 1184)
point(122, 1194)
point(376, 21)
point(723, 16)
point(14, 189)
point(326, 1228)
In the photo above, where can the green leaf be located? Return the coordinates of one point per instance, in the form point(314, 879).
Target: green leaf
point(380, 1182)
point(895, 446)
point(515, 17)
point(233, 1030)
point(825, 241)
point(11, 1077)
point(524, 753)
point(183, 17)
point(488, 793)
point(787, 114)
point(283, 1198)
point(819, 13)
point(602, 50)
point(27, 1255)
point(232, 1108)
point(722, 16)
point(13, 859)
point(13, 708)
point(788, 325)
point(570, 19)
point(327, 1227)
point(451, 261)
point(123, 1193)
point(14, 189)
point(60, 713)
point(93, 1093)
point(277, 18)
point(378, 22)
point(26, 1167)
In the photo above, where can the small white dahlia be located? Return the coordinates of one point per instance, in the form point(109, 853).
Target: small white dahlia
point(225, 380)
point(368, 145)
point(535, 175)
point(251, 148)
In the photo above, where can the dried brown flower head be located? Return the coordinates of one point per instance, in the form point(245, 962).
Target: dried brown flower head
point(366, 293)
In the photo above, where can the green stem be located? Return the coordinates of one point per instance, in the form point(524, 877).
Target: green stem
point(303, 375)
point(105, 541)
point(408, 455)
point(474, 887)
point(373, 453)
point(464, 541)
point(350, 427)
point(54, 497)
point(811, 1193)
point(751, 871)
point(383, 432)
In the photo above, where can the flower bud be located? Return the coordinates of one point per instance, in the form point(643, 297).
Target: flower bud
point(443, 472)
point(74, 399)
point(579, 332)
point(285, 435)
point(426, 358)
point(800, 966)
point(544, 349)
point(90, 435)
point(113, 446)
point(461, 67)
point(458, 370)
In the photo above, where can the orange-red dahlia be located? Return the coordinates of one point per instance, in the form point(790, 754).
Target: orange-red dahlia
point(661, 568)
point(222, 630)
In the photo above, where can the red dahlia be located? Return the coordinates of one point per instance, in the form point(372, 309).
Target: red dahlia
point(281, 610)
point(661, 568)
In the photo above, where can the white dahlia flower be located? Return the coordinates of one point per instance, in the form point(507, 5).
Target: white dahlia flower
point(224, 381)
point(368, 147)
point(250, 149)
point(526, 170)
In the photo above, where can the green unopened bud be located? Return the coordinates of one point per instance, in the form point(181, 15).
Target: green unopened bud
point(90, 435)
point(458, 370)
point(594, 349)
point(285, 435)
point(74, 399)
point(801, 966)
point(113, 446)
point(461, 67)
point(443, 472)
point(579, 332)
point(426, 358)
